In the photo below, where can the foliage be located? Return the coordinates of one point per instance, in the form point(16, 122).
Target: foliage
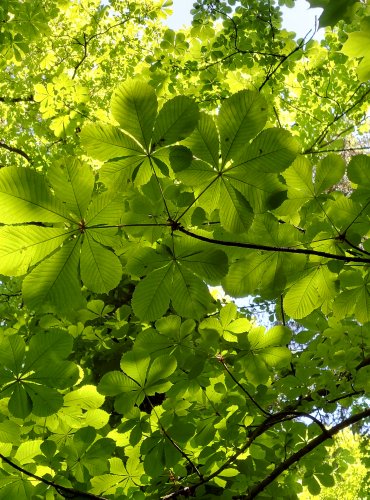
point(140, 166)
point(353, 481)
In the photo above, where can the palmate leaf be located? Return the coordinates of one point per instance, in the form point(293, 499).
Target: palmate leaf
point(170, 335)
point(31, 377)
point(238, 177)
point(355, 299)
point(178, 278)
point(134, 147)
point(266, 349)
point(265, 273)
point(139, 377)
point(122, 477)
point(55, 282)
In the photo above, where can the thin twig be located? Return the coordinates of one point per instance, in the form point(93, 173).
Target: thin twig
point(222, 361)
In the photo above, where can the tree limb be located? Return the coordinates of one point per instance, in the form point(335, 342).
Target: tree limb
point(10, 100)
point(314, 443)
point(70, 492)
point(13, 149)
point(267, 248)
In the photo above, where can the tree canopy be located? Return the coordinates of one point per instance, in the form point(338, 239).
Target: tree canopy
point(141, 167)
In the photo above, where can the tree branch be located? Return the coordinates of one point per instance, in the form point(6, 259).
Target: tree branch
point(267, 424)
point(255, 246)
point(272, 72)
point(314, 443)
point(70, 492)
point(262, 410)
point(10, 100)
point(13, 149)
point(336, 118)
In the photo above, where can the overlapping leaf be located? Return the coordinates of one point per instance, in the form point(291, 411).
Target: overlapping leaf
point(179, 276)
point(31, 378)
point(139, 378)
point(229, 172)
point(135, 147)
point(265, 349)
point(57, 231)
point(265, 273)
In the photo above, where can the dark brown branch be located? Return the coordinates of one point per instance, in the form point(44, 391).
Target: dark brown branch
point(344, 150)
point(336, 118)
point(266, 248)
point(69, 492)
point(314, 443)
point(175, 445)
point(364, 362)
point(222, 361)
point(10, 100)
point(258, 431)
point(84, 45)
point(273, 71)
point(13, 149)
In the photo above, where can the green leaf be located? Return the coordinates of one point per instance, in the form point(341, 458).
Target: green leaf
point(236, 214)
point(310, 292)
point(152, 295)
point(122, 477)
point(180, 158)
point(47, 346)
point(357, 171)
point(105, 210)
point(161, 368)
point(134, 106)
point(135, 364)
point(115, 382)
point(355, 47)
point(241, 117)
point(189, 295)
point(85, 397)
point(72, 182)
point(204, 141)
point(105, 142)
point(10, 432)
point(101, 269)
point(55, 281)
point(273, 150)
point(329, 171)
point(21, 247)
point(24, 197)
point(334, 12)
point(20, 403)
point(175, 121)
point(12, 350)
